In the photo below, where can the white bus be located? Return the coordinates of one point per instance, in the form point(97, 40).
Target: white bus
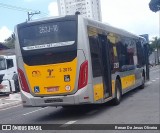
point(72, 60)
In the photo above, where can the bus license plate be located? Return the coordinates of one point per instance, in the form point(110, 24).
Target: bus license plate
point(52, 89)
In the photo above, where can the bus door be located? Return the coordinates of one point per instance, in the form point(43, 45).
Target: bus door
point(105, 64)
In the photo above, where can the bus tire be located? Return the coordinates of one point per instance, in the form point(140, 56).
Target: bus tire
point(16, 83)
point(118, 93)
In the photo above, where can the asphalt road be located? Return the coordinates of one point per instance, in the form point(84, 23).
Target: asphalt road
point(140, 106)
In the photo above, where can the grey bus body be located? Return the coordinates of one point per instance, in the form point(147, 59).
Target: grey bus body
point(113, 55)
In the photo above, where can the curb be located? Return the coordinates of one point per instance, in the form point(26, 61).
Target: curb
point(6, 105)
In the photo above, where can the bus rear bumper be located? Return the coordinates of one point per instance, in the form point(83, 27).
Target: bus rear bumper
point(80, 97)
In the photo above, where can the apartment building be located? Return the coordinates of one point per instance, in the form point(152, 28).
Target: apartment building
point(88, 8)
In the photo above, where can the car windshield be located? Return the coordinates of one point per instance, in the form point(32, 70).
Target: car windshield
point(2, 64)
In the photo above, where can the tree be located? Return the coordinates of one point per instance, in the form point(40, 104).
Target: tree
point(10, 42)
point(154, 5)
point(154, 45)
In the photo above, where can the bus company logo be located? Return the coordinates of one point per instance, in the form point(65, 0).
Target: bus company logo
point(50, 72)
point(36, 89)
point(36, 74)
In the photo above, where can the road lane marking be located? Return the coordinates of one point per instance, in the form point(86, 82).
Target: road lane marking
point(148, 83)
point(68, 123)
point(154, 80)
point(34, 111)
point(10, 107)
point(157, 78)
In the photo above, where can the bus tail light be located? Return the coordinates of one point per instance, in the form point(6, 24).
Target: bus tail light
point(83, 75)
point(23, 81)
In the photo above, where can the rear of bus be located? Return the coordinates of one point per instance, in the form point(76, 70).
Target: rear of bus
point(52, 70)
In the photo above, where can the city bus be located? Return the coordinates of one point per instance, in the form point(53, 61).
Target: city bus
point(73, 60)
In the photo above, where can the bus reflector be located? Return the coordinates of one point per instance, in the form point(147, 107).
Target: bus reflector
point(23, 81)
point(83, 75)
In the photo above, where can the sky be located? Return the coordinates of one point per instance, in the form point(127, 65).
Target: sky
point(131, 15)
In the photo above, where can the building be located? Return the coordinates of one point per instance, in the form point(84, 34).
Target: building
point(88, 8)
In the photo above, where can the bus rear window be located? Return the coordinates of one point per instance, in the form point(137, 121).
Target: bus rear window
point(48, 35)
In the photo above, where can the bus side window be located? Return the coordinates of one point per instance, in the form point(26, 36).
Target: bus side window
point(140, 54)
point(9, 63)
point(95, 57)
point(121, 50)
point(112, 54)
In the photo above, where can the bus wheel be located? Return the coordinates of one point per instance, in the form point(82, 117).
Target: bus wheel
point(118, 93)
point(16, 83)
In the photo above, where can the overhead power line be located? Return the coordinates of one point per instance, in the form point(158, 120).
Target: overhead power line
point(19, 8)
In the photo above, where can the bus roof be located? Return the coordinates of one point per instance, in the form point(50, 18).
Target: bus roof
point(110, 28)
point(94, 23)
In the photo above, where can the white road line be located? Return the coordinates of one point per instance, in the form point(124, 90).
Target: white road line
point(153, 80)
point(34, 111)
point(148, 83)
point(10, 107)
point(157, 78)
point(68, 123)
point(92, 112)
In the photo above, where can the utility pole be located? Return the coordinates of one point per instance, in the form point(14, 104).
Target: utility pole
point(158, 58)
point(30, 14)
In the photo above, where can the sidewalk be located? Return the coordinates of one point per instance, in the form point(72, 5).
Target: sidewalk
point(155, 67)
point(12, 100)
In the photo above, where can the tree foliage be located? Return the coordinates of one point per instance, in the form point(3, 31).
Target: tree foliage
point(154, 5)
point(155, 44)
point(10, 42)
